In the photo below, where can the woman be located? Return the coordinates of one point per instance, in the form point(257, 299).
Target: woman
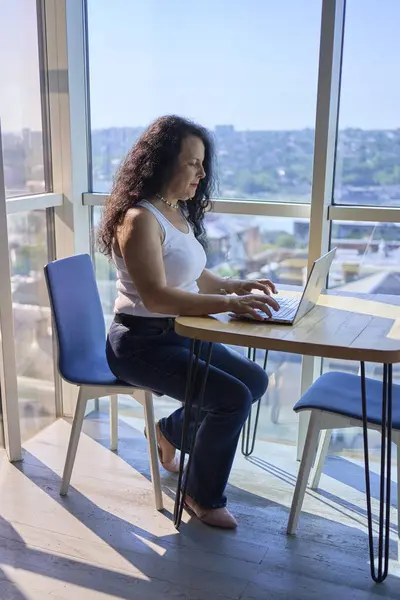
point(153, 229)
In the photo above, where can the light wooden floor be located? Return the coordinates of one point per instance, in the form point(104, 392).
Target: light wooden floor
point(105, 541)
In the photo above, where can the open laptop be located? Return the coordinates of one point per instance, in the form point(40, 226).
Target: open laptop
point(293, 309)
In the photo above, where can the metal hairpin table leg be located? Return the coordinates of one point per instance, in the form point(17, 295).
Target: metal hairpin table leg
point(195, 348)
point(247, 447)
point(380, 574)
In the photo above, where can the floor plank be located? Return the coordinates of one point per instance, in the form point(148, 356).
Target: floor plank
point(105, 539)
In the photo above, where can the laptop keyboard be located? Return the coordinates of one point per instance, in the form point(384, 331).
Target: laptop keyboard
point(287, 308)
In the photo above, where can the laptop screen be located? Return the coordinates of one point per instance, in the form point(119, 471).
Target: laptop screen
point(315, 284)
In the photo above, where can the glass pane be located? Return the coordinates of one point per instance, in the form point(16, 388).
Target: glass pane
point(368, 257)
point(367, 261)
point(32, 320)
point(20, 100)
point(349, 442)
point(252, 82)
point(368, 152)
point(245, 247)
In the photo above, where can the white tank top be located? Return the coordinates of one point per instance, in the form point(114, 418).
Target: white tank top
point(184, 262)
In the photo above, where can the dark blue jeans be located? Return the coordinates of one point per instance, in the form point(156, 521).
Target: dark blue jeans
point(148, 353)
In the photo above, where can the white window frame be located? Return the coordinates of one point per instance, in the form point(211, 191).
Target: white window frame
point(35, 202)
point(8, 369)
point(65, 34)
point(326, 126)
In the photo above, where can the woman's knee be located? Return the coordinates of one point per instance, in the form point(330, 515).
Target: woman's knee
point(256, 380)
point(260, 384)
point(239, 398)
point(226, 394)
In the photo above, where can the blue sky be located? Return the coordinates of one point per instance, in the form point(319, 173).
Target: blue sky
point(250, 63)
point(19, 66)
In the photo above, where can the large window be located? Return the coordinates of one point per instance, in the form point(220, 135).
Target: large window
point(246, 70)
point(32, 320)
point(368, 153)
point(258, 98)
point(253, 84)
point(20, 99)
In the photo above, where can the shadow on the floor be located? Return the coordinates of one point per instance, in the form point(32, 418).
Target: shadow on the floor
point(128, 539)
point(132, 447)
point(8, 589)
point(353, 475)
point(167, 573)
point(331, 500)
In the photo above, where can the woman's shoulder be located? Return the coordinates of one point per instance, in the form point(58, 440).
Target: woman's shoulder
point(141, 221)
point(139, 215)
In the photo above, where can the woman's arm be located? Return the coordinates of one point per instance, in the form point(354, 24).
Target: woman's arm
point(140, 244)
point(209, 283)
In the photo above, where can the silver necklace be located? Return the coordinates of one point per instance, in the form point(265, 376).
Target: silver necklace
point(175, 206)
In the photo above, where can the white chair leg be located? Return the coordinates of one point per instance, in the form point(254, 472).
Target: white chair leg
point(304, 472)
point(322, 453)
point(398, 502)
point(73, 441)
point(153, 450)
point(304, 419)
point(114, 422)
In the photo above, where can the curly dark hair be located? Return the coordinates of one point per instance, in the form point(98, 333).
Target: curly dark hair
point(146, 170)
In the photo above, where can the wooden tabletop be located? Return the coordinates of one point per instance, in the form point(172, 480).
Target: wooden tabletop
point(347, 326)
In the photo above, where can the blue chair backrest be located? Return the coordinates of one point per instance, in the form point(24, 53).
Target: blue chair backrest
point(77, 313)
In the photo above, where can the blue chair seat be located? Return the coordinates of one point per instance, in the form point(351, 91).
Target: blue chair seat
point(341, 393)
point(93, 370)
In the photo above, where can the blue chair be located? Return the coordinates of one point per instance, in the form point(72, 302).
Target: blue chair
point(335, 403)
point(81, 337)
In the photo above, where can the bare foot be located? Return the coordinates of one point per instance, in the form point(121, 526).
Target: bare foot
point(215, 517)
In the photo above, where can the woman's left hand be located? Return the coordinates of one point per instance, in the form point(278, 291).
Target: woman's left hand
point(241, 287)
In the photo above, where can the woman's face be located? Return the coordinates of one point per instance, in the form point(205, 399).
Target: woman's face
point(189, 170)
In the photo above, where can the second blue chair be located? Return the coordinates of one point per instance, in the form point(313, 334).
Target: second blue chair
point(334, 400)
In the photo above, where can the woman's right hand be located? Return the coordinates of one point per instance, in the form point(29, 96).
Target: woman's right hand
point(251, 303)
